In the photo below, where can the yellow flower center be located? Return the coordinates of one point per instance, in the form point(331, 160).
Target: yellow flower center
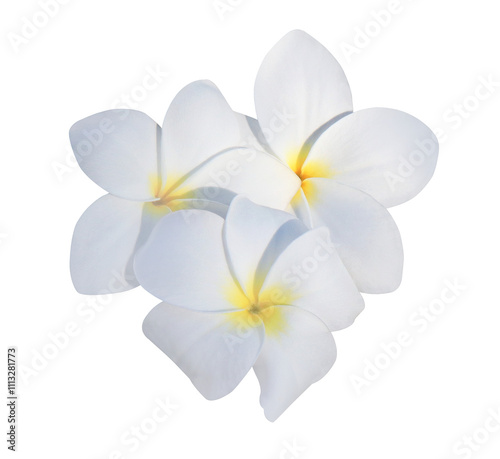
point(263, 309)
point(170, 195)
point(306, 170)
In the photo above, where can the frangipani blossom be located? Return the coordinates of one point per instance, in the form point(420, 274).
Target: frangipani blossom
point(150, 171)
point(351, 165)
point(257, 289)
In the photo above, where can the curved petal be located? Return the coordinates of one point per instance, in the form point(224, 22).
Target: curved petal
point(386, 153)
point(293, 360)
point(117, 149)
point(212, 349)
point(299, 87)
point(199, 123)
point(363, 231)
point(310, 274)
point(183, 262)
point(254, 174)
point(248, 231)
point(103, 246)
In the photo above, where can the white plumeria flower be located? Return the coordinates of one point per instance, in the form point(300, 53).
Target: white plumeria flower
point(151, 171)
point(352, 165)
point(256, 289)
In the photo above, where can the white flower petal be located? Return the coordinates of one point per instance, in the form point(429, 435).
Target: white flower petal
point(386, 153)
point(299, 87)
point(103, 246)
point(365, 235)
point(183, 262)
point(117, 149)
point(213, 349)
point(248, 231)
point(292, 360)
point(199, 123)
point(310, 274)
point(255, 174)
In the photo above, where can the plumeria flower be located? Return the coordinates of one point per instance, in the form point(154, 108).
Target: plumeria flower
point(150, 172)
point(258, 289)
point(351, 165)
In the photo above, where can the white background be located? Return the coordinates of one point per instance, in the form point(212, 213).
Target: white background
point(84, 400)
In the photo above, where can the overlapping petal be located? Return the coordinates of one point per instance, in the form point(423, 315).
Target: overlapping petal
point(215, 350)
point(300, 208)
point(310, 274)
point(251, 133)
point(365, 235)
point(292, 360)
point(248, 231)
